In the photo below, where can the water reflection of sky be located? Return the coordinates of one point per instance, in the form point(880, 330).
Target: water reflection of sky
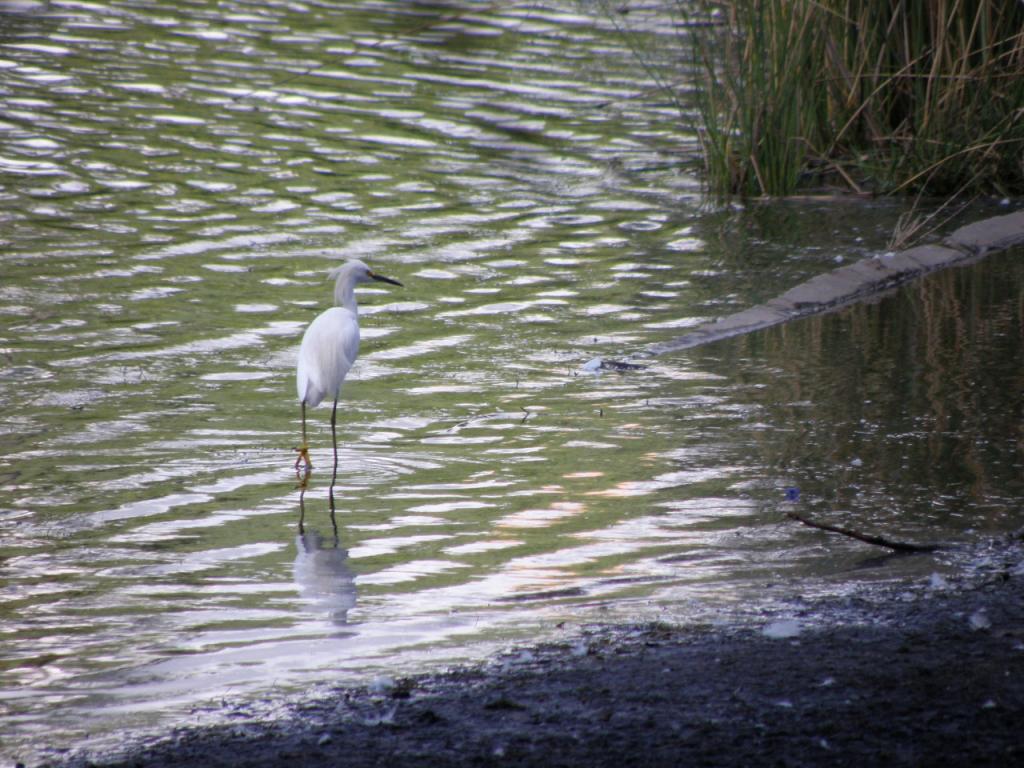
point(171, 203)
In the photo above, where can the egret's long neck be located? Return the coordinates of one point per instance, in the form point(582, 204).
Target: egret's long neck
point(345, 293)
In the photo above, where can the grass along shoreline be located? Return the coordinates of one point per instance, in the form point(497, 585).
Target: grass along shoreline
point(898, 96)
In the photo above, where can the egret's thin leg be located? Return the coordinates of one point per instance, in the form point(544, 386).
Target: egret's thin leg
point(303, 450)
point(334, 474)
point(334, 442)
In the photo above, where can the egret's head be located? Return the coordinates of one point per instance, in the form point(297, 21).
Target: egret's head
point(356, 271)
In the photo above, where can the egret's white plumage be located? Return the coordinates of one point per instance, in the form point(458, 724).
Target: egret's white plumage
point(329, 348)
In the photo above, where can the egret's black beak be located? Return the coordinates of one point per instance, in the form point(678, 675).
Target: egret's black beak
point(382, 279)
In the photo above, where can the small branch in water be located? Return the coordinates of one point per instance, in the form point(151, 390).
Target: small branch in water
point(878, 541)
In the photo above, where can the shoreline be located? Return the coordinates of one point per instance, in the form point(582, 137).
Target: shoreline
point(936, 678)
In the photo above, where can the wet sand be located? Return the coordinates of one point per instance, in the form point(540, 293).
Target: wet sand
point(934, 678)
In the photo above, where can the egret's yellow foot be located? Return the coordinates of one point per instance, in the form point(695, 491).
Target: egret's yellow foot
point(303, 451)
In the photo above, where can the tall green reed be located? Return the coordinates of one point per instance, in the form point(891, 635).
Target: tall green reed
point(876, 95)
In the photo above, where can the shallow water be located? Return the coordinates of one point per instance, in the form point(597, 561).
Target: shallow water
point(177, 182)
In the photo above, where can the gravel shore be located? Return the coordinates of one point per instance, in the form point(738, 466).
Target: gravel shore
point(935, 679)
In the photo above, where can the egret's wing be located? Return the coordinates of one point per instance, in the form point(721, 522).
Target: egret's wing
point(329, 348)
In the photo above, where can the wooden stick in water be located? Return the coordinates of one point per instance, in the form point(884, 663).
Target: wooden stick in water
point(878, 541)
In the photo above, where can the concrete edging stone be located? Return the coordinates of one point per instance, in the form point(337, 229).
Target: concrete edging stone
point(855, 282)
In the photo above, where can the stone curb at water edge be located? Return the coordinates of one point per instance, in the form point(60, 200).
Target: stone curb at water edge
point(851, 283)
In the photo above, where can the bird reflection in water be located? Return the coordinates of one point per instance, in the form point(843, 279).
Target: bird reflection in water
point(303, 479)
point(322, 573)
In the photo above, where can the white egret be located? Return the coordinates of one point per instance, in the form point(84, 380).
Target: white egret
point(329, 347)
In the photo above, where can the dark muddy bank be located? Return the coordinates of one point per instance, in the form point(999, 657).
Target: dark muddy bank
point(930, 678)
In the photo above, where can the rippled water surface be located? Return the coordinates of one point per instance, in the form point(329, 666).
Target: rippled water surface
point(176, 182)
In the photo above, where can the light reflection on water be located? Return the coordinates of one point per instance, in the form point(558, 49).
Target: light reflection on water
point(165, 243)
